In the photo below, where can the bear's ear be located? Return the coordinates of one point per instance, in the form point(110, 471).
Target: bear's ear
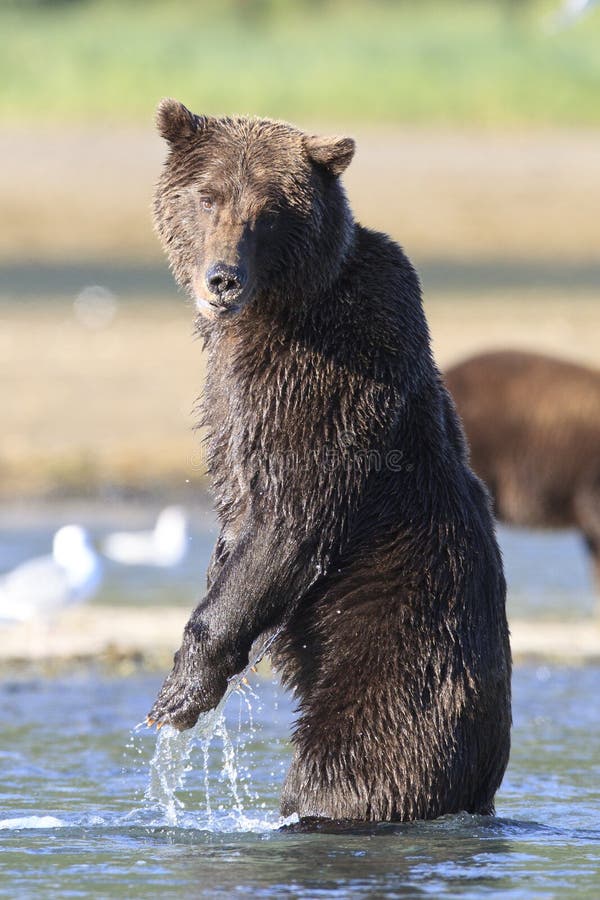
point(333, 153)
point(176, 123)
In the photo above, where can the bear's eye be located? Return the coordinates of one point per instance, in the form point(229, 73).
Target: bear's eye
point(207, 203)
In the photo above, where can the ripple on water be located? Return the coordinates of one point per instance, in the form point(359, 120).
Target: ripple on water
point(21, 822)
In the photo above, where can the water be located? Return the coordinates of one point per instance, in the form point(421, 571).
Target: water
point(90, 806)
point(80, 817)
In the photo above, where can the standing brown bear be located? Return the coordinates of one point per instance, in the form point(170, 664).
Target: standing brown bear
point(353, 535)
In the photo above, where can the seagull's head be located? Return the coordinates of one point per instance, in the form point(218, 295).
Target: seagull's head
point(70, 543)
point(172, 521)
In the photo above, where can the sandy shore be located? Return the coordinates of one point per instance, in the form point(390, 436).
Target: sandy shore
point(125, 638)
point(463, 194)
point(88, 407)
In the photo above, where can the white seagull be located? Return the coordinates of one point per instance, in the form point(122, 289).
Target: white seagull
point(45, 585)
point(166, 545)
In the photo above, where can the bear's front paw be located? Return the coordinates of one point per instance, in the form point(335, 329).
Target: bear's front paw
point(189, 690)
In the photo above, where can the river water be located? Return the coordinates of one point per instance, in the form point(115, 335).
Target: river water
point(83, 813)
point(90, 806)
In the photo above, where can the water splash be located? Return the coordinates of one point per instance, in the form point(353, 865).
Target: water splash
point(229, 768)
point(246, 735)
point(225, 757)
point(206, 771)
point(171, 762)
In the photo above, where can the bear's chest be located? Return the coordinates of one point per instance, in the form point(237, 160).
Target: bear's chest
point(274, 398)
point(275, 405)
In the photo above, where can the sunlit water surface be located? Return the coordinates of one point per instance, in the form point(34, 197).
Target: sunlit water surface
point(90, 806)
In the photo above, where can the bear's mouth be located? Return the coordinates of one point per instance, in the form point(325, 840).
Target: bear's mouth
point(215, 308)
point(218, 310)
point(225, 311)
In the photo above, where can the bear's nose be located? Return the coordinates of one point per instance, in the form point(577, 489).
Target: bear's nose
point(226, 282)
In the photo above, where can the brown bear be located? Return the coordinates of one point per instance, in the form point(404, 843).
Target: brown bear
point(533, 423)
point(355, 541)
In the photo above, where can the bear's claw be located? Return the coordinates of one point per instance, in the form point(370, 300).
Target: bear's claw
point(180, 713)
point(182, 700)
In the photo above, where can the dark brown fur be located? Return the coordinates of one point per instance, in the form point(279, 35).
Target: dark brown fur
point(352, 530)
point(533, 424)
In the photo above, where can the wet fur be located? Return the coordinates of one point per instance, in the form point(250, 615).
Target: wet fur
point(351, 525)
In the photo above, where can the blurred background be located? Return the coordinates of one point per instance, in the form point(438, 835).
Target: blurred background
point(477, 124)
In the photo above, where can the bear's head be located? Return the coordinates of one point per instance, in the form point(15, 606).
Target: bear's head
point(249, 208)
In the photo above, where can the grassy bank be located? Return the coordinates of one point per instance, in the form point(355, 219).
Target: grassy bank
point(489, 63)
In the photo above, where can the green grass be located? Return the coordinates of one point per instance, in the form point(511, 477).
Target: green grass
point(464, 62)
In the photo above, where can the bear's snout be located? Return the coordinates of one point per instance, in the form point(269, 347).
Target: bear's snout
point(225, 283)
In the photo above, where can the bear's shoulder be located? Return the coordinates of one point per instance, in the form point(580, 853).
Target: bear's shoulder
point(376, 252)
point(381, 292)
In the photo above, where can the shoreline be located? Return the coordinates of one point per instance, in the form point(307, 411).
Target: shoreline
point(124, 640)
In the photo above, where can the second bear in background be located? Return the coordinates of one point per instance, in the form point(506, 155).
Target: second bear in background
point(533, 425)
